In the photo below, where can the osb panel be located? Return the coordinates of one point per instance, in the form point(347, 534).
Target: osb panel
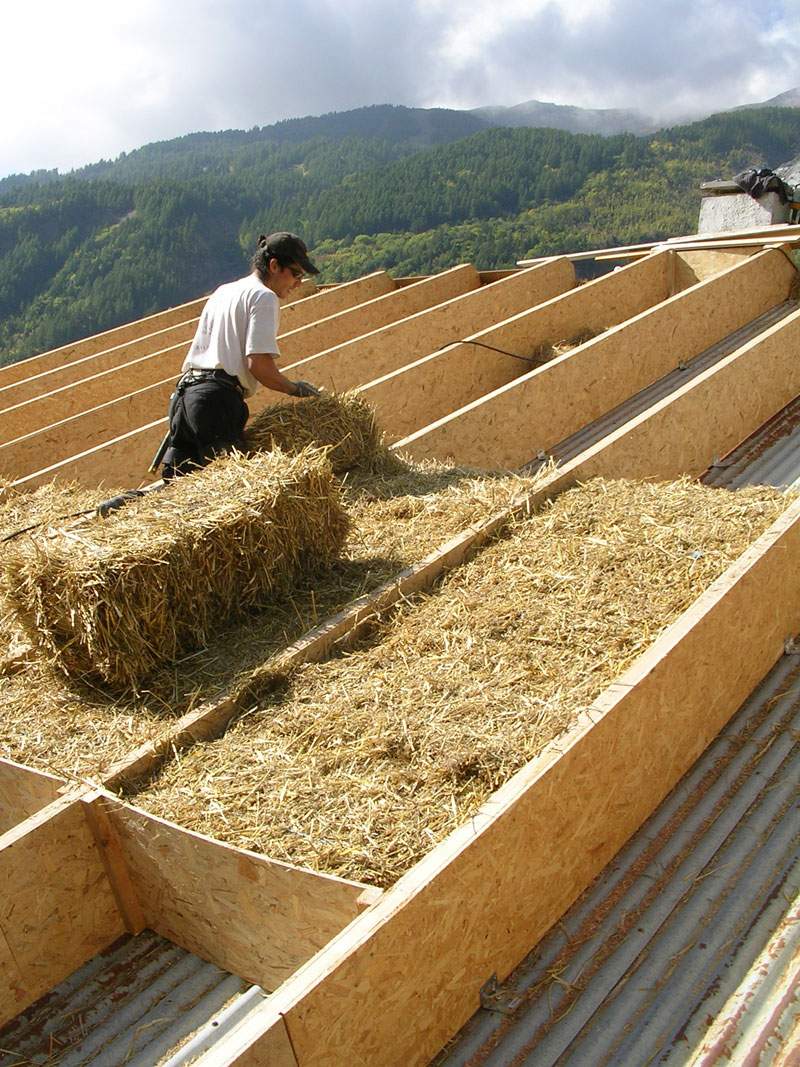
point(251, 916)
point(476, 905)
point(53, 419)
point(87, 429)
point(57, 909)
point(334, 330)
point(422, 392)
point(363, 359)
point(94, 386)
point(59, 377)
point(274, 1048)
point(23, 792)
point(708, 417)
point(338, 298)
point(693, 267)
point(121, 462)
point(511, 425)
point(88, 346)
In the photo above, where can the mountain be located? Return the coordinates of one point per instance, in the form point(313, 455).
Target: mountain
point(791, 98)
point(606, 121)
point(113, 242)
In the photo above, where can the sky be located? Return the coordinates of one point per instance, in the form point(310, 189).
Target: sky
point(88, 79)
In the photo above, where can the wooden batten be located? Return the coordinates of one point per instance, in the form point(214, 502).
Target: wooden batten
point(255, 917)
point(476, 903)
point(57, 907)
point(423, 391)
point(510, 425)
point(23, 792)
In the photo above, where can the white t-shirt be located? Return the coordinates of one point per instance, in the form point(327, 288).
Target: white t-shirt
point(239, 320)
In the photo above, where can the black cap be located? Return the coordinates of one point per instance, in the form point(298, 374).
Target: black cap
point(288, 248)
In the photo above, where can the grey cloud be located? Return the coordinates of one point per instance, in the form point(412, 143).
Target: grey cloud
point(677, 58)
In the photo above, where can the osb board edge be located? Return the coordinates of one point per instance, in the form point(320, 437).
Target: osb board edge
point(478, 902)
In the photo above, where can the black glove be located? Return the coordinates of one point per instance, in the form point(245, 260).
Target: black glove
point(305, 389)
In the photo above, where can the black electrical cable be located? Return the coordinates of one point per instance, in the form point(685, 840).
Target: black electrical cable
point(503, 351)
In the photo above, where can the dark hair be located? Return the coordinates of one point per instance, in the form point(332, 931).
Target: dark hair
point(260, 261)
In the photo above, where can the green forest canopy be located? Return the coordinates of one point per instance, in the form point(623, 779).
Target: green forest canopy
point(118, 240)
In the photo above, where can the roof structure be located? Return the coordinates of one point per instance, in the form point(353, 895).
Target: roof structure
point(685, 361)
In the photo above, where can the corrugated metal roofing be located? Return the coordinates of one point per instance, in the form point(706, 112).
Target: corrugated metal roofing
point(592, 433)
point(771, 456)
point(132, 1004)
point(651, 954)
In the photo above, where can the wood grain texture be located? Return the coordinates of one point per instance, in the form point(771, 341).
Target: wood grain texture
point(477, 903)
point(255, 917)
point(23, 792)
point(466, 391)
point(372, 314)
point(57, 908)
point(365, 358)
point(49, 400)
point(510, 425)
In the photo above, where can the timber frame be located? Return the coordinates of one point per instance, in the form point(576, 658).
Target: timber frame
point(342, 957)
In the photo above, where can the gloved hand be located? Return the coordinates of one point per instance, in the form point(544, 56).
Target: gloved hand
point(305, 389)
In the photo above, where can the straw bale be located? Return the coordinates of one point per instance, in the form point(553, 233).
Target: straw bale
point(151, 583)
point(71, 728)
point(342, 423)
point(551, 349)
point(362, 763)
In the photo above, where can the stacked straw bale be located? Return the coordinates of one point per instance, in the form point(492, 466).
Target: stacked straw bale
point(342, 423)
point(397, 518)
point(367, 761)
point(116, 598)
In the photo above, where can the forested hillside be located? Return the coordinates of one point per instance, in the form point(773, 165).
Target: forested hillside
point(119, 240)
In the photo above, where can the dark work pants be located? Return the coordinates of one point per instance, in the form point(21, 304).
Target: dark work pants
point(206, 418)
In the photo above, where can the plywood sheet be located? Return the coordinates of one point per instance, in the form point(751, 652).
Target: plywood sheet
point(478, 902)
point(511, 425)
point(23, 792)
point(250, 915)
point(57, 909)
point(427, 389)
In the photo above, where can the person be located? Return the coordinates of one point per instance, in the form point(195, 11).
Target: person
point(232, 354)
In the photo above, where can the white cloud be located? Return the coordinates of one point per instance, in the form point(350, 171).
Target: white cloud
point(90, 79)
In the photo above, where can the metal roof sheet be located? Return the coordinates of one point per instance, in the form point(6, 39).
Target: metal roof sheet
point(636, 405)
point(653, 952)
point(132, 1004)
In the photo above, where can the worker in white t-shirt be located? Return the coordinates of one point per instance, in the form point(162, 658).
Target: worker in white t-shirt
point(233, 352)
